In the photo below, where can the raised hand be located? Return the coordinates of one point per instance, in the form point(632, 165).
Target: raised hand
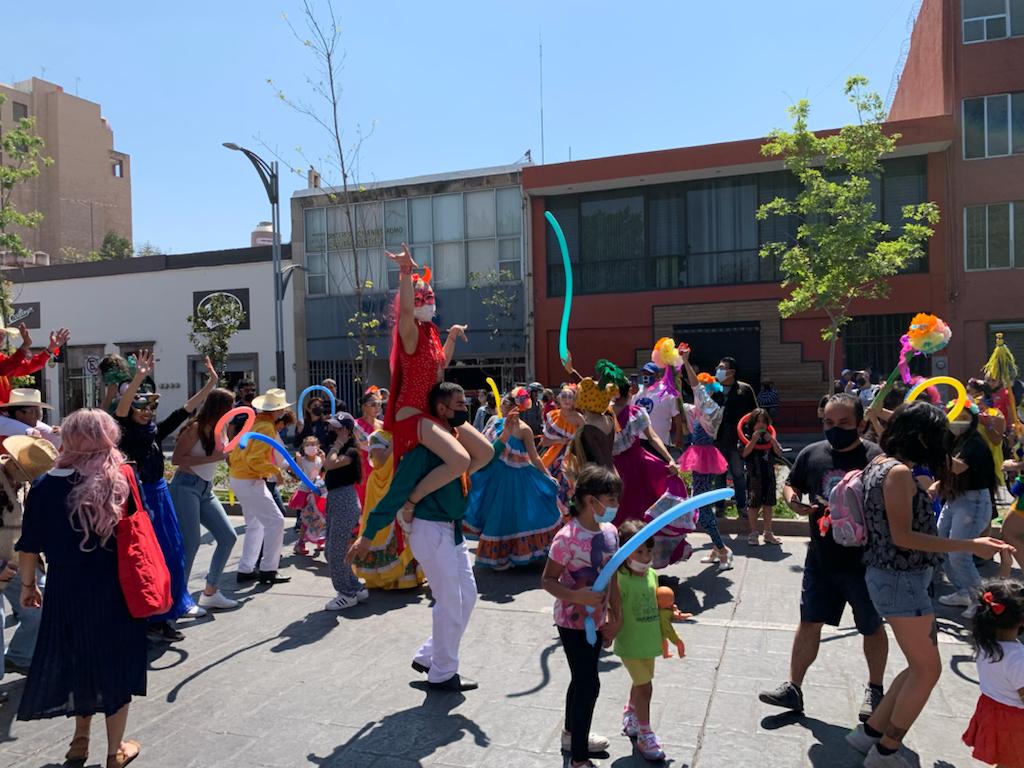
point(143, 364)
point(211, 372)
point(59, 338)
point(459, 332)
point(403, 259)
point(26, 339)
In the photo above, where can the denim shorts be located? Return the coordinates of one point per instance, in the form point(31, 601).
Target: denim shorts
point(900, 593)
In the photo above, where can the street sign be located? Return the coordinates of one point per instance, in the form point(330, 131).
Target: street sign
point(92, 365)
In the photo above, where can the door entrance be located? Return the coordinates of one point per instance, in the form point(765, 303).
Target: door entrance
point(713, 341)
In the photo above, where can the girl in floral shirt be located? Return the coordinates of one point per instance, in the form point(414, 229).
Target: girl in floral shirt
point(578, 553)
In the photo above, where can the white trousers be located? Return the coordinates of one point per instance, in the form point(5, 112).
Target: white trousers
point(264, 525)
point(449, 573)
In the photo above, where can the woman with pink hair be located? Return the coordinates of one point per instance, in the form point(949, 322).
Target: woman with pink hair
point(91, 654)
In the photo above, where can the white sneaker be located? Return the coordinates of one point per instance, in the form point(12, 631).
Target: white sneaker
point(726, 565)
point(363, 595)
point(594, 744)
point(217, 601)
point(340, 603)
point(875, 760)
point(970, 611)
point(859, 740)
point(957, 600)
point(196, 611)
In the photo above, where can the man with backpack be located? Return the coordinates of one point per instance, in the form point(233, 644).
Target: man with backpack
point(833, 574)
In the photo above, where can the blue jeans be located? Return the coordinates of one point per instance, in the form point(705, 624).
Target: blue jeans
point(738, 472)
point(965, 517)
point(195, 504)
point(900, 593)
point(23, 644)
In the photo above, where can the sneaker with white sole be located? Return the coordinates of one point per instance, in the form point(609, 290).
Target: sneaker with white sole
point(363, 595)
point(217, 601)
point(649, 747)
point(726, 565)
point(859, 740)
point(196, 611)
point(876, 760)
point(956, 600)
point(630, 725)
point(594, 744)
point(340, 603)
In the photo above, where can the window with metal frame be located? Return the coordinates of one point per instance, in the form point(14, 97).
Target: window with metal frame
point(994, 236)
point(867, 344)
point(20, 110)
point(1013, 336)
point(993, 126)
point(985, 20)
point(698, 233)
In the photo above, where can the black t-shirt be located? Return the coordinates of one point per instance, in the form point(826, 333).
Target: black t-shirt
point(981, 468)
point(815, 473)
point(350, 474)
point(738, 402)
point(142, 444)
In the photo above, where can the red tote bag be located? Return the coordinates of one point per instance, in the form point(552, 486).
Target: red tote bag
point(141, 568)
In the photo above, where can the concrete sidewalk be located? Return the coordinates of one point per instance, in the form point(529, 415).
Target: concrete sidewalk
point(280, 682)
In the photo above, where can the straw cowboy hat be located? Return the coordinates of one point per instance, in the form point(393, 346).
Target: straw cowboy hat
point(20, 397)
point(273, 400)
point(32, 455)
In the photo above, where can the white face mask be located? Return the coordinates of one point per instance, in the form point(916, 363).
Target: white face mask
point(425, 312)
point(310, 450)
point(637, 567)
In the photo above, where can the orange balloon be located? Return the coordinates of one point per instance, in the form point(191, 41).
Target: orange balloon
point(222, 423)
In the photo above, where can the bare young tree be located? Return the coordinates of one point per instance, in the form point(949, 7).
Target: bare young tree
point(322, 38)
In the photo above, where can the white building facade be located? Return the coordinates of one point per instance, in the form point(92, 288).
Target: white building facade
point(142, 303)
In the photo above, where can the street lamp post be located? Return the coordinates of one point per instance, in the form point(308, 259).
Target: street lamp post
point(269, 176)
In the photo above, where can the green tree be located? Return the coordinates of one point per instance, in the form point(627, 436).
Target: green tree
point(842, 251)
point(21, 159)
point(115, 247)
point(148, 249)
point(212, 326)
point(322, 40)
point(499, 294)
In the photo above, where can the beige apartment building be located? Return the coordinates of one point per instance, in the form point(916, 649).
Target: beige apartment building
point(87, 191)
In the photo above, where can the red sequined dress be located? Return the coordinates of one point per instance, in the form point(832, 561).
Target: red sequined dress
point(412, 377)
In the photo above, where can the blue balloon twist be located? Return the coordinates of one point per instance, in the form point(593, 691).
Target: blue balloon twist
point(314, 388)
point(665, 518)
point(248, 437)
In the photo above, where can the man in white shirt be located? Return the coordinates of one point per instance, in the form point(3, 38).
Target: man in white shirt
point(22, 414)
point(662, 406)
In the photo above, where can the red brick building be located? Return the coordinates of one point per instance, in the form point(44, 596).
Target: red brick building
point(666, 243)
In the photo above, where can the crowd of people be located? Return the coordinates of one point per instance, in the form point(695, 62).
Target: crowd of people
point(561, 477)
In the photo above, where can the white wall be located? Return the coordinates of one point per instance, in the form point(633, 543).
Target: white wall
point(152, 306)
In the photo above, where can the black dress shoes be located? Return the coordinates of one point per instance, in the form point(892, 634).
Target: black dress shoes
point(455, 684)
point(271, 577)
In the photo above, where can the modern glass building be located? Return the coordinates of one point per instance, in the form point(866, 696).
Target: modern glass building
point(467, 227)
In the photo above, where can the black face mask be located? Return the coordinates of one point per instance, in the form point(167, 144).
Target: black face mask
point(460, 418)
point(248, 397)
point(840, 439)
point(316, 410)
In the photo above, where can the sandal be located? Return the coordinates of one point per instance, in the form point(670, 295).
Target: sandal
point(78, 752)
point(754, 540)
point(711, 557)
point(128, 751)
point(771, 538)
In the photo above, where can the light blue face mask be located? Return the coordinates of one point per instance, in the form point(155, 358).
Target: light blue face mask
point(608, 515)
point(721, 374)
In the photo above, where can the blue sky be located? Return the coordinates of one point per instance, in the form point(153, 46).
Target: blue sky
point(445, 85)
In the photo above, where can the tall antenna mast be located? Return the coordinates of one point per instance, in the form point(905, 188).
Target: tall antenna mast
point(540, 51)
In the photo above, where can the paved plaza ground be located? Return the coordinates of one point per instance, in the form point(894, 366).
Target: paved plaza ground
point(280, 682)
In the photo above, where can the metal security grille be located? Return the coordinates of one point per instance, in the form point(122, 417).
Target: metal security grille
point(873, 342)
point(342, 371)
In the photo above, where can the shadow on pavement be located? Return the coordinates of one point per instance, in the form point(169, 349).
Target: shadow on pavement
point(831, 751)
point(410, 735)
point(715, 587)
point(606, 663)
point(503, 586)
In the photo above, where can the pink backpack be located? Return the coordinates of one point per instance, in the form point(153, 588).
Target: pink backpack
point(846, 511)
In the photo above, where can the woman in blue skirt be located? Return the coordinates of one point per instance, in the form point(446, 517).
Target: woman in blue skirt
point(141, 439)
point(513, 509)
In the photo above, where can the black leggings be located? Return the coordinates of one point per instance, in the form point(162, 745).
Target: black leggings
point(581, 697)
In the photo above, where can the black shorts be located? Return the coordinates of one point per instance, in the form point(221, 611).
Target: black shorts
point(825, 594)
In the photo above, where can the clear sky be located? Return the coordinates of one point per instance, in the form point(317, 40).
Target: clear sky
point(445, 85)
